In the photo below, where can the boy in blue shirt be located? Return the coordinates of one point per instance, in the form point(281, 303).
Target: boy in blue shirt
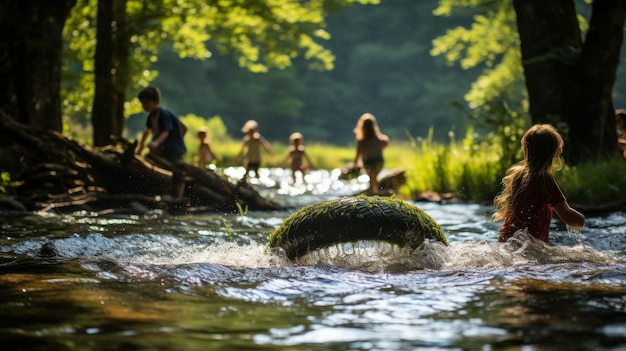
point(168, 132)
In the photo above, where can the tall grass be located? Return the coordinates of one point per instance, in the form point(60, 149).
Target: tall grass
point(594, 183)
point(469, 169)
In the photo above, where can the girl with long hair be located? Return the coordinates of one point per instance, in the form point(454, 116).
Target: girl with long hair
point(370, 143)
point(530, 192)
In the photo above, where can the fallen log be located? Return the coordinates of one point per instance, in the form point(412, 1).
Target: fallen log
point(53, 172)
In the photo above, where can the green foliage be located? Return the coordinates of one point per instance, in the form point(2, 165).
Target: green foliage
point(258, 34)
point(228, 229)
point(5, 181)
point(594, 183)
point(216, 133)
point(506, 129)
point(80, 131)
point(491, 40)
point(498, 95)
point(241, 210)
point(492, 34)
point(78, 83)
point(470, 169)
point(382, 66)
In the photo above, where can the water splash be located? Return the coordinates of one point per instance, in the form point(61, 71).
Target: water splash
point(203, 239)
point(160, 249)
point(521, 250)
point(577, 231)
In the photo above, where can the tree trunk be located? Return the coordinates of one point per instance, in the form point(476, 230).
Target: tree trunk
point(30, 60)
point(569, 83)
point(598, 68)
point(122, 64)
point(103, 102)
point(112, 72)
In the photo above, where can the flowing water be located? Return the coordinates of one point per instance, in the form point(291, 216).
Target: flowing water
point(204, 282)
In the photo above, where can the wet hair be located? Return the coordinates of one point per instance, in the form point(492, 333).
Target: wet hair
point(366, 127)
point(150, 93)
point(542, 145)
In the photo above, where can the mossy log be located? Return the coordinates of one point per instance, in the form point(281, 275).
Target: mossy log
point(355, 219)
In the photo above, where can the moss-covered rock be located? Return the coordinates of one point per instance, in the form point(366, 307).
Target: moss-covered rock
point(355, 219)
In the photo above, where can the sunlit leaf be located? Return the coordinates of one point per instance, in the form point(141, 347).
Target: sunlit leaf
point(258, 34)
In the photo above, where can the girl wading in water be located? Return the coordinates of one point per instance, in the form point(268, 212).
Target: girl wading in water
point(370, 143)
point(530, 191)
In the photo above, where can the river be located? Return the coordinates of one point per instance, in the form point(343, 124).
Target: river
point(204, 282)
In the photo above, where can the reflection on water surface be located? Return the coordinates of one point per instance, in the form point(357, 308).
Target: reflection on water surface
point(76, 282)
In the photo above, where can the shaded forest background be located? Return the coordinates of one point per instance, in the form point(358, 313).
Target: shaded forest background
point(383, 65)
point(391, 60)
point(445, 64)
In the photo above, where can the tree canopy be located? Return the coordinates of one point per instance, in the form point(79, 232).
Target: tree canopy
point(382, 66)
point(258, 34)
point(381, 58)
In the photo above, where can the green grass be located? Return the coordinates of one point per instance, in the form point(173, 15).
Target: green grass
point(471, 169)
point(324, 156)
point(594, 183)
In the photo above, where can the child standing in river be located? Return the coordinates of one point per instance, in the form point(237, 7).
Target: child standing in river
point(296, 156)
point(370, 143)
point(251, 146)
point(205, 153)
point(530, 192)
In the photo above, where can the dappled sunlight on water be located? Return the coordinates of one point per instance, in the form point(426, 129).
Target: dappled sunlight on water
point(199, 282)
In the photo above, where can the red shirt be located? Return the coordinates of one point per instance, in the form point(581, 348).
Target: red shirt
point(534, 211)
